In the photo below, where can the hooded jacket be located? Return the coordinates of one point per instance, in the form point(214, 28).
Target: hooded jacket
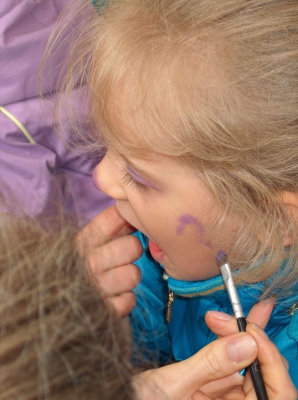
point(37, 171)
point(170, 314)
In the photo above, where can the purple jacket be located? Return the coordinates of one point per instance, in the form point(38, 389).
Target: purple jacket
point(37, 176)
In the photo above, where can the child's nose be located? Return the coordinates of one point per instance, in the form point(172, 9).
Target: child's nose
point(107, 178)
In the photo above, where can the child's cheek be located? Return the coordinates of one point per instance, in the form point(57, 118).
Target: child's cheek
point(189, 220)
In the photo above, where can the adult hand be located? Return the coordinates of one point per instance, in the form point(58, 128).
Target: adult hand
point(109, 249)
point(223, 325)
point(187, 380)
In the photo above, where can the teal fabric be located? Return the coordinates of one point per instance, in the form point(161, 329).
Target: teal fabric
point(98, 4)
point(149, 328)
point(187, 332)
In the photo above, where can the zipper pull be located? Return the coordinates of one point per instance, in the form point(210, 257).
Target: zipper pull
point(169, 306)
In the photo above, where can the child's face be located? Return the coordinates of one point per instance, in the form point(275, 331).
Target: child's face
point(164, 200)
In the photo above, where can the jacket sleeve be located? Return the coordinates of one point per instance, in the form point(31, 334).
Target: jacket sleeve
point(37, 178)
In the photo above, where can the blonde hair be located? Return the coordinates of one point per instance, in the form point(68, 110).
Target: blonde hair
point(58, 339)
point(213, 84)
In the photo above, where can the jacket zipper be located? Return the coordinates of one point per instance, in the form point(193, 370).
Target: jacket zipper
point(171, 298)
point(169, 306)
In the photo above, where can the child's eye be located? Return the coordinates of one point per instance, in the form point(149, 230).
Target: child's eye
point(129, 180)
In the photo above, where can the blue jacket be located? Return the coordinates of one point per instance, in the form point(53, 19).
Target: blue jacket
point(185, 303)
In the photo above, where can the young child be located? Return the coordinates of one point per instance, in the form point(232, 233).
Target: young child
point(197, 103)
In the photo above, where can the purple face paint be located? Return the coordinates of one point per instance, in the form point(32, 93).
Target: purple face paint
point(140, 179)
point(188, 219)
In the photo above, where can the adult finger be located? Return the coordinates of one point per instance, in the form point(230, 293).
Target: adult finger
point(277, 380)
point(219, 359)
point(123, 304)
point(261, 312)
point(106, 226)
point(220, 387)
point(120, 251)
point(224, 324)
point(118, 280)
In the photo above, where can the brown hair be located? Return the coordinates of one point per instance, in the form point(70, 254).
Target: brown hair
point(58, 339)
point(214, 84)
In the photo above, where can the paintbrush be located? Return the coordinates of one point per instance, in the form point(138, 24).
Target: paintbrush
point(254, 368)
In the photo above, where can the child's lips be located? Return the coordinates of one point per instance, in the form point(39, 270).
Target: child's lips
point(125, 211)
point(156, 251)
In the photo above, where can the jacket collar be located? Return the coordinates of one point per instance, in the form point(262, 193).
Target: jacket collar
point(215, 288)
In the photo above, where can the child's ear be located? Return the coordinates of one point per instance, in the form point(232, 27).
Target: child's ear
point(290, 201)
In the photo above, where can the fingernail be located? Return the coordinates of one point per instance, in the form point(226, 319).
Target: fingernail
point(256, 328)
point(241, 347)
point(219, 315)
point(269, 300)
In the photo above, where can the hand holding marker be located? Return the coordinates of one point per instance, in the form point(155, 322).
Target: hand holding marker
point(254, 368)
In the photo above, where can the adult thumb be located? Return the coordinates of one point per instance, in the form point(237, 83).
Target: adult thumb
point(217, 360)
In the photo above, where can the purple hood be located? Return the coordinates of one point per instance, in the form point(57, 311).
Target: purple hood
point(37, 176)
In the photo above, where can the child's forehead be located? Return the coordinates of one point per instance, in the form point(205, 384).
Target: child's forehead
point(144, 112)
point(163, 98)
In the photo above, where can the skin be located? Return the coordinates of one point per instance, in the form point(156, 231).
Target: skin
point(211, 373)
point(174, 209)
point(110, 250)
point(188, 219)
